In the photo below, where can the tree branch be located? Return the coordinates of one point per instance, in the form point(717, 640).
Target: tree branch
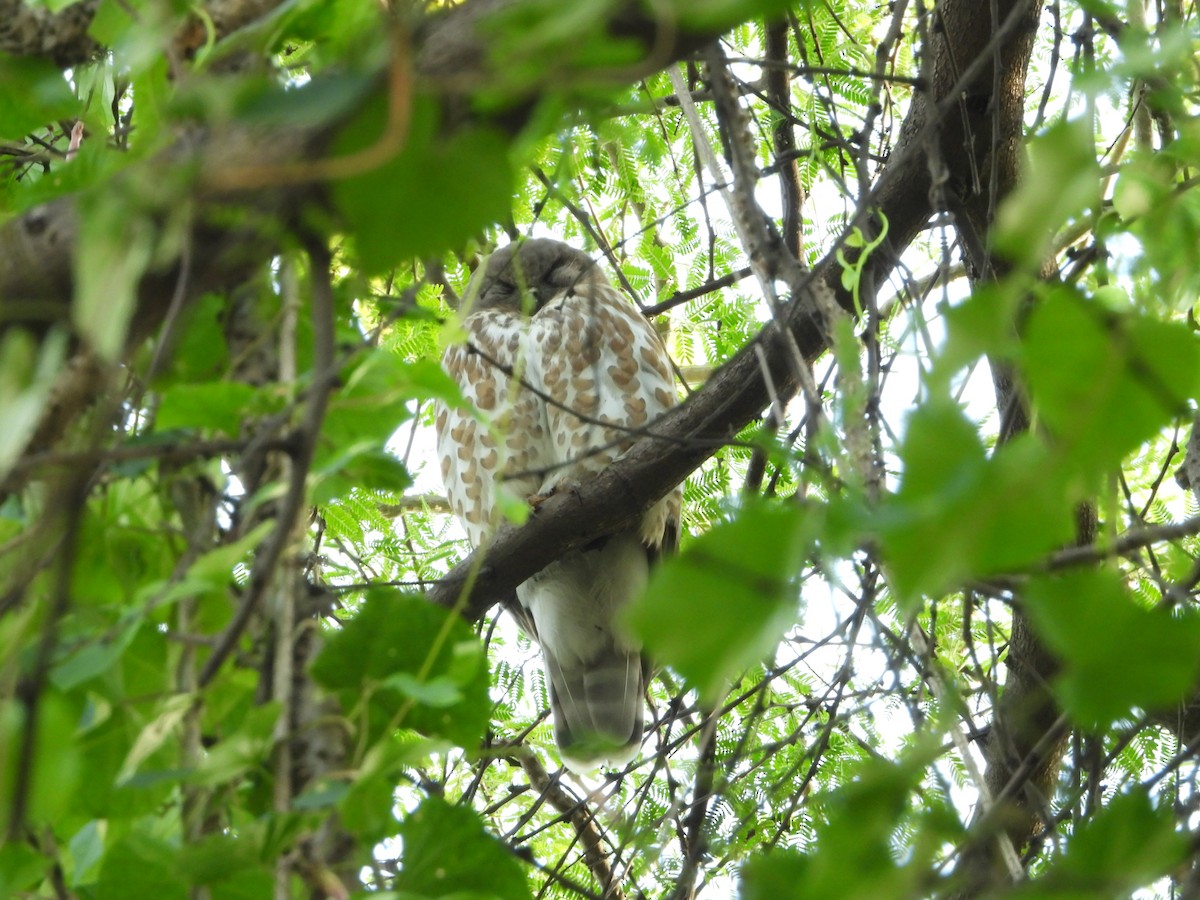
point(30, 30)
point(738, 392)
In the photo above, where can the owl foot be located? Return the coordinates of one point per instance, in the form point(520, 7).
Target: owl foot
point(567, 484)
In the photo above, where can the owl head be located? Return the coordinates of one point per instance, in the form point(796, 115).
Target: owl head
point(526, 275)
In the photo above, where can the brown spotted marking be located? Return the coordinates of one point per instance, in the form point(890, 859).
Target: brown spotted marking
point(635, 410)
point(650, 358)
point(486, 395)
point(474, 491)
point(583, 380)
point(558, 391)
point(621, 377)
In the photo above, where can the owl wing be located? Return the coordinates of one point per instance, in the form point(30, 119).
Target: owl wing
point(505, 448)
point(605, 376)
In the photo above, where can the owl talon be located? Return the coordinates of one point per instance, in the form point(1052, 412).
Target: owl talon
point(536, 501)
point(567, 484)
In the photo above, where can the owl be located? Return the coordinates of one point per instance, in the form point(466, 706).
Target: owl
point(565, 374)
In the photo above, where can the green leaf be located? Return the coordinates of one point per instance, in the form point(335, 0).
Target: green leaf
point(156, 733)
point(55, 6)
point(218, 405)
point(94, 657)
point(338, 27)
point(367, 806)
point(959, 514)
point(431, 196)
point(218, 858)
point(322, 796)
point(116, 245)
point(141, 865)
point(377, 393)
point(1143, 186)
point(199, 351)
point(434, 692)
point(56, 765)
point(320, 100)
point(1088, 620)
point(107, 735)
point(720, 15)
point(724, 603)
point(514, 507)
point(28, 368)
point(367, 809)
point(21, 868)
point(1127, 845)
point(425, 379)
point(86, 850)
point(246, 748)
point(942, 452)
point(1082, 363)
point(447, 852)
point(377, 389)
point(980, 325)
point(1062, 180)
point(35, 95)
point(112, 20)
point(393, 635)
point(215, 568)
point(773, 875)
point(364, 466)
point(133, 32)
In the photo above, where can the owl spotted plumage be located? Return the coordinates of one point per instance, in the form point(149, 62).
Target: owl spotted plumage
point(569, 374)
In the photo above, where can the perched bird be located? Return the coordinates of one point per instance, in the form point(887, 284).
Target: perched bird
point(567, 374)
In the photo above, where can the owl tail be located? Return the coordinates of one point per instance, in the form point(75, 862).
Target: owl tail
point(597, 708)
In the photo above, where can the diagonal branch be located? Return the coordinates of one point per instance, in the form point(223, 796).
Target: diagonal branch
point(738, 392)
point(684, 438)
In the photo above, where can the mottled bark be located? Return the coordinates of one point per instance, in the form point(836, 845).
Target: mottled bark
point(28, 30)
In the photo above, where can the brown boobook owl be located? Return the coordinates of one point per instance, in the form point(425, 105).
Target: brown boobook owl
point(568, 374)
